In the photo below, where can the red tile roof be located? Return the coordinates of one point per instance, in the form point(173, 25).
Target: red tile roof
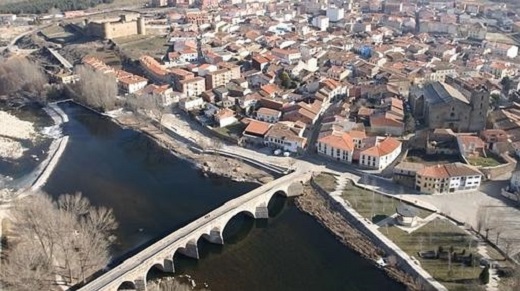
point(382, 148)
point(257, 127)
point(338, 141)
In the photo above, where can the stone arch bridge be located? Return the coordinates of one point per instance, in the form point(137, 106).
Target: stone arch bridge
point(211, 226)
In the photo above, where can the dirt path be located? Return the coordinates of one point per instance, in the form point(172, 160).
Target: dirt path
point(208, 163)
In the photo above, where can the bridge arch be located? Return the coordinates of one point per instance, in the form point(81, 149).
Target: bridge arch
point(127, 285)
point(226, 224)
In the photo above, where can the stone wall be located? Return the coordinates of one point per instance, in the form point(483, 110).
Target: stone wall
point(492, 173)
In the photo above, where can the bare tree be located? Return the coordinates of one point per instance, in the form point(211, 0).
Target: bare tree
point(482, 219)
point(96, 89)
point(22, 75)
point(69, 238)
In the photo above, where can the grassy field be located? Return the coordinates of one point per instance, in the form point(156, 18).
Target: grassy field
point(326, 181)
point(233, 131)
point(373, 205)
point(437, 233)
point(137, 45)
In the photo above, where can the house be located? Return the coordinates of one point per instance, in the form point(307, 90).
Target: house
point(338, 146)
point(287, 56)
point(193, 87)
point(154, 70)
point(259, 62)
point(497, 140)
point(225, 117)
point(404, 173)
point(471, 146)
point(130, 83)
point(191, 103)
point(287, 136)
point(383, 124)
point(268, 115)
point(270, 90)
point(379, 153)
point(163, 93)
point(337, 73)
point(502, 49)
point(255, 132)
point(448, 178)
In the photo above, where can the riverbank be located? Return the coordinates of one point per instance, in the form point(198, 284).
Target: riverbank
point(37, 178)
point(316, 206)
point(209, 164)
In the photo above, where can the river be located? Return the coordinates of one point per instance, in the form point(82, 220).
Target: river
point(152, 193)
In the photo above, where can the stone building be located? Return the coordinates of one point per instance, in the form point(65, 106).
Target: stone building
point(110, 28)
point(456, 104)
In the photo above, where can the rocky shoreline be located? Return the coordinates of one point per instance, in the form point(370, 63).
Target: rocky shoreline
point(316, 206)
point(209, 164)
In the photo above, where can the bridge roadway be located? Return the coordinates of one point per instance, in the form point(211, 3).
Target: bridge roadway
point(211, 226)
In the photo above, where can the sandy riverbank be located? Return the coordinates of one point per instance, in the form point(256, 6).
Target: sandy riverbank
point(38, 177)
point(316, 206)
point(12, 132)
point(208, 163)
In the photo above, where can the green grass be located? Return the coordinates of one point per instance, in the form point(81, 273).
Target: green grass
point(137, 45)
point(373, 205)
point(439, 232)
point(326, 181)
point(234, 130)
point(483, 161)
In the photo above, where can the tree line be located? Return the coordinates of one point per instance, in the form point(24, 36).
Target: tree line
point(43, 6)
point(66, 240)
point(22, 76)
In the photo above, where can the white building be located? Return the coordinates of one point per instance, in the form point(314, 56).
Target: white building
point(188, 104)
point(268, 115)
point(338, 146)
point(225, 117)
point(448, 178)
point(129, 83)
point(380, 153)
point(286, 136)
point(335, 14)
point(193, 87)
point(502, 49)
point(321, 22)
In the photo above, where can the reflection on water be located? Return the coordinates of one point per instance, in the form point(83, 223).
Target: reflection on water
point(153, 193)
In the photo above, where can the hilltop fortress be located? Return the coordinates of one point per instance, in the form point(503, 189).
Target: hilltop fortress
point(109, 28)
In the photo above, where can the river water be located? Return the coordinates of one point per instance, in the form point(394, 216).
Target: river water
point(153, 193)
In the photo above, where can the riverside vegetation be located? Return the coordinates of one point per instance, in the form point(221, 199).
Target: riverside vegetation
point(67, 239)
